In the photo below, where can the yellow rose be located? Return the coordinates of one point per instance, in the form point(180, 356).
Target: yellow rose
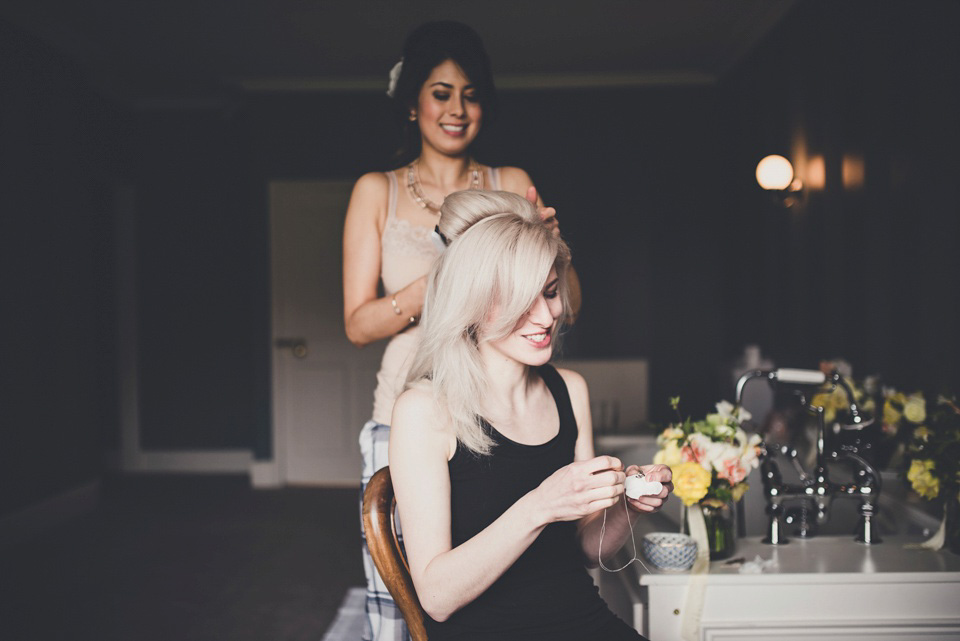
point(690, 482)
point(671, 433)
point(921, 432)
point(739, 490)
point(915, 409)
point(924, 483)
point(890, 414)
point(918, 467)
point(827, 402)
point(669, 455)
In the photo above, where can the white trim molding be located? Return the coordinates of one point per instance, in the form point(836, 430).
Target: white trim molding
point(265, 475)
point(190, 461)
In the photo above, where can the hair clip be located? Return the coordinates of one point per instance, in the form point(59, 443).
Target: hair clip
point(394, 77)
point(439, 240)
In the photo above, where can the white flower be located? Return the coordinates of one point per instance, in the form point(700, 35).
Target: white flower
point(702, 449)
point(730, 466)
point(724, 430)
point(725, 409)
point(394, 77)
point(731, 414)
point(748, 449)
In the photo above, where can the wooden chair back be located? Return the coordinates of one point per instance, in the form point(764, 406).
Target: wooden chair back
point(379, 504)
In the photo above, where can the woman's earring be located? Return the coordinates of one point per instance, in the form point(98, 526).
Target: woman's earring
point(413, 116)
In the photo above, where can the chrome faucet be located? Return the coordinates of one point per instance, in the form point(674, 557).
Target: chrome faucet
point(815, 492)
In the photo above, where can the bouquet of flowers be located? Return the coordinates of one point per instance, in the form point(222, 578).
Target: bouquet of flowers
point(899, 413)
point(834, 400)
point(932, 462)
point(710, 458)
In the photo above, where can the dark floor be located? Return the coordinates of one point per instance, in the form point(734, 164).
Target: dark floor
point(186, 558)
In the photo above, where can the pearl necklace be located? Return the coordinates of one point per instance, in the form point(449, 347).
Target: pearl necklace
point(416, 190)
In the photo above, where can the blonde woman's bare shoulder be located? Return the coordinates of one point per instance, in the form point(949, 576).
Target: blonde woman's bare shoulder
point(576, 386)
point(418, 420)
point(572, 378)
point(417, 408)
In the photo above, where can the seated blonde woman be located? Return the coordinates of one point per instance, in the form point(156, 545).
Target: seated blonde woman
point(504, 503)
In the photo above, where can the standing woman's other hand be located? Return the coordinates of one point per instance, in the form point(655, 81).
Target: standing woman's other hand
point(547, 214)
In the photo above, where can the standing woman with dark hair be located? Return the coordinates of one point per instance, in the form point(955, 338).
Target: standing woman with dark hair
point(443, 92)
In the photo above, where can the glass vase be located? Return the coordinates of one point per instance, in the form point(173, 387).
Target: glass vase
point(720, 534)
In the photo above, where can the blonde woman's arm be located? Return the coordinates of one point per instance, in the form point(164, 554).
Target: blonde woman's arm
point(448, 578)
point(366, 316)
point(619, 521)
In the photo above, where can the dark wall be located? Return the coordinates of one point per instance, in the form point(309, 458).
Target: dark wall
point(862, 269)
point(202, 303)
point(59, 159)
point(632, 173)
point(683, 259)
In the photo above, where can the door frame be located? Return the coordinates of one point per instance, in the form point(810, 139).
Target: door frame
point(271, 473)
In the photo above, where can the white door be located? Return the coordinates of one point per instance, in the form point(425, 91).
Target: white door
point(322, 384)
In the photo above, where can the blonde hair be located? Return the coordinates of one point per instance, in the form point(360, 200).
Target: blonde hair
point(498, 256)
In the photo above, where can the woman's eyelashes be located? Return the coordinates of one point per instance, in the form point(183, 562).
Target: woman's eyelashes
point(443, 96)
point(551, 293)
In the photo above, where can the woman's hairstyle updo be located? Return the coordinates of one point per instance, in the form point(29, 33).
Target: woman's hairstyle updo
point(428, 46)
point(488, 278)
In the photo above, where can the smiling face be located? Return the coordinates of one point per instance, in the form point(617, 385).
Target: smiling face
point(448, 110)
point(531, 341)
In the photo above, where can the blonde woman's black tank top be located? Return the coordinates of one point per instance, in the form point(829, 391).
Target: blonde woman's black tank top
point(547, 593)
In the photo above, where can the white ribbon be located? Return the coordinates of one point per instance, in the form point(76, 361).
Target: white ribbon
point(697, 587)
point(936, 541)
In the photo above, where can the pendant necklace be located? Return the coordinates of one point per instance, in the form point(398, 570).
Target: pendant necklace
point(416, 190)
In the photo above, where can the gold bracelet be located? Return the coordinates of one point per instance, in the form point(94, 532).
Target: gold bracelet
point(399, 312)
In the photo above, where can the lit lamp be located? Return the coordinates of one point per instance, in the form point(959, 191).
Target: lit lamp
point(775, 174)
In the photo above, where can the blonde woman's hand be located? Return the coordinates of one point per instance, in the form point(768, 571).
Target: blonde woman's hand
point(654, 502)
point(547, 214)
point(581, 488)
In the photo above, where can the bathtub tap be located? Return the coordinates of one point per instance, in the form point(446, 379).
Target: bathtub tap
point(813, 496)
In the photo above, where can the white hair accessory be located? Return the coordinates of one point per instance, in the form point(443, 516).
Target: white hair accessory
point(394, 76)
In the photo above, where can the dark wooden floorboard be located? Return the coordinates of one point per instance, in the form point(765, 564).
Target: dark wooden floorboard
point(186, 558)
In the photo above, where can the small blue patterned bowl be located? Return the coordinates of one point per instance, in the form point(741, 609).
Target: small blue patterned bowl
point(669, 550)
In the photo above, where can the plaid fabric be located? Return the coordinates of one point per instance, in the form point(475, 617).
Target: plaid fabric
point(383, 621)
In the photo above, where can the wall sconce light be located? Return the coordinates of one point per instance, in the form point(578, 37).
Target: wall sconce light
point(775, 174)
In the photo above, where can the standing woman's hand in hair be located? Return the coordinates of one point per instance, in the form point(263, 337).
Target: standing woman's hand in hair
point(547, 214)
point(549, 217)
